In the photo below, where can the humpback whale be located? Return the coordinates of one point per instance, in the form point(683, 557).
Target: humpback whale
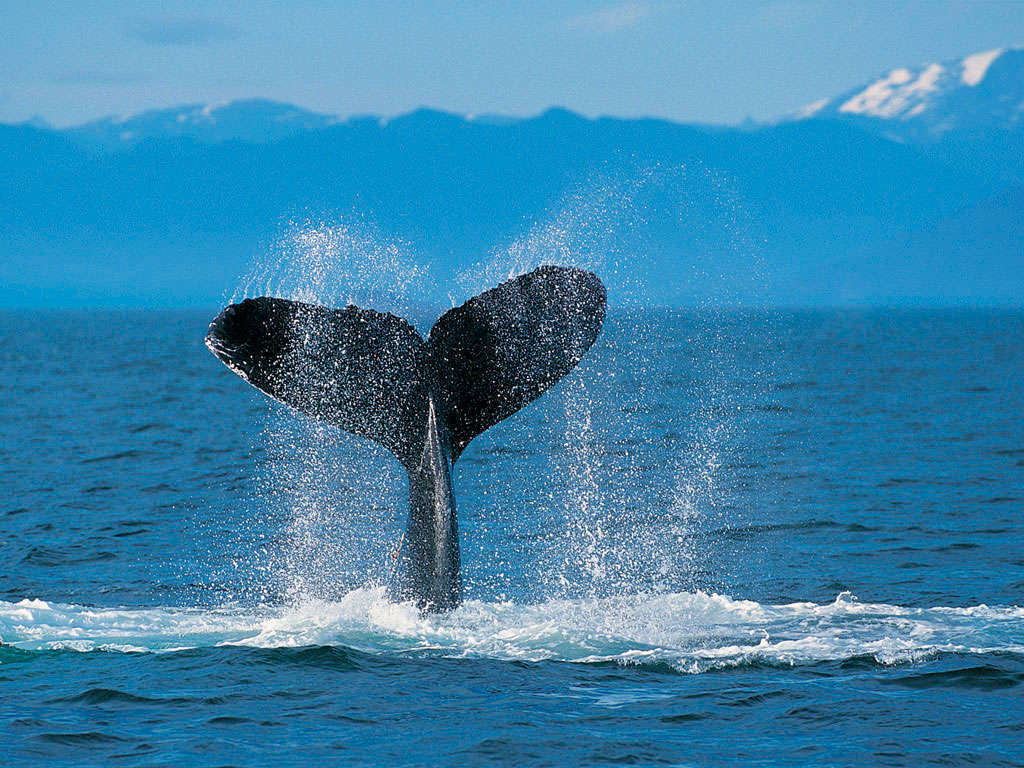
point(371, 374)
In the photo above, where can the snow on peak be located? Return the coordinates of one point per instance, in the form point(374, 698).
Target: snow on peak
point(895, 94)
point(976, 65)
point(970, 95)
point(810, 110)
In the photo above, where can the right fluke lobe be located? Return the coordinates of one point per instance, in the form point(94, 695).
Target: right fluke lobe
point(504, 348)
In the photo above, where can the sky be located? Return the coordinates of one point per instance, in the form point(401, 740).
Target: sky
point(704, 61)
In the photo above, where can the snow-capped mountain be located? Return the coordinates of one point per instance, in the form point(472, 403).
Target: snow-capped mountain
point(969, 111)
point(984, 89)
point(255, 121)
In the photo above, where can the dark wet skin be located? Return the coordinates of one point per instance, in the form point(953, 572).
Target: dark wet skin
point(429, 568)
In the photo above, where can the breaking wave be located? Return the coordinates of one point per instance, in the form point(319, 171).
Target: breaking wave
point(690, 632)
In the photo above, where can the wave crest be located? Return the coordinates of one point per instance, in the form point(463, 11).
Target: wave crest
point(691, 632)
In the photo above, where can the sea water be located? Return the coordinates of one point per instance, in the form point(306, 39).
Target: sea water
point(771, 537)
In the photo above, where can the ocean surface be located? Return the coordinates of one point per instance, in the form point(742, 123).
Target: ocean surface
point(761, 538)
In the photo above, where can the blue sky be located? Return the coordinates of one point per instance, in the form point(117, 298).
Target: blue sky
point(692, 60)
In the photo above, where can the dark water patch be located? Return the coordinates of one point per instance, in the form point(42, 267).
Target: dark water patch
point(52, 557)
point(320, 656)
point(118, 456)
point(99, 696)
point(85, 739)
point(685, 717)
point(505, 751)
point(857, 663)
point(748, 465)
point(149, 427)
point(210, 451)
point(11, 655)
point(43, 490)
point(225, 473)
point(80, 505)
point(629, 752)
point(127, 534)
point(160, 488)
point(812, 715)
point(139, 749)
point(132, 523)
point(752, 530)
point(895, 482)
point(503, 450)
point(985, 677)
point(344, 719)
point(991, 531)
point(757, 699)
point(229, 720)
point(959, 546)
point(167, 443)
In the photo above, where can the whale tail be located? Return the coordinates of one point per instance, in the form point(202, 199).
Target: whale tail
point(371, 374)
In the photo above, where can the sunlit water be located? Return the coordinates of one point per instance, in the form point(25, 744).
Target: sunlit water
point(772, 537)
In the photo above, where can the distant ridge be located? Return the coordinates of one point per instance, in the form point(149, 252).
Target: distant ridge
point(252, 120)
point(842, 206)
point(965, 110)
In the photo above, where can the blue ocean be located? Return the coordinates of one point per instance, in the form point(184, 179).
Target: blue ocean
point(764, 537)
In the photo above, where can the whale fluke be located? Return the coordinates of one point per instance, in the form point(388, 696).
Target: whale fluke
point(371, 374)
point(504, 348)
point(355, 368)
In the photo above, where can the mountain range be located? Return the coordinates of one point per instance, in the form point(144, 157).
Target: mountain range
point(907, 189)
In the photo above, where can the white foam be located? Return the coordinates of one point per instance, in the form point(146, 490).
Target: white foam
point(692, 632)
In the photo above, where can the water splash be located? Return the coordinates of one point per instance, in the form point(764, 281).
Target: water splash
point(690, 631)
point(343, 504)
point(590, 227)
point(327, 506)
point(608, 223)
point(344, 497)
point(632, 221)
point(338, 262)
